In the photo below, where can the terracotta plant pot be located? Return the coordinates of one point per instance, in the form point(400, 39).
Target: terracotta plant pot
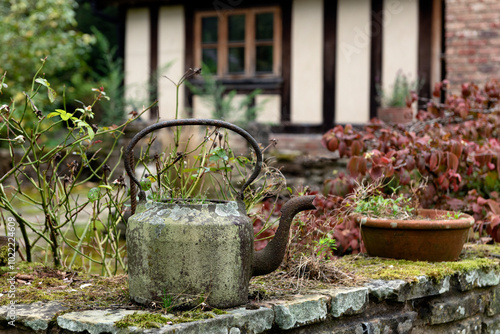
point(431, 238)
point(400, 115)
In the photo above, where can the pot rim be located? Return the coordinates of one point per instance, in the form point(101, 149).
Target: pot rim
point(464, 222)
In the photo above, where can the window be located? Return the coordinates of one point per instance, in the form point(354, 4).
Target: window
point(239, 43)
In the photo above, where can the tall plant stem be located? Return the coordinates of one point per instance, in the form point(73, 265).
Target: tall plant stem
point(79, 245)
point(178, 129)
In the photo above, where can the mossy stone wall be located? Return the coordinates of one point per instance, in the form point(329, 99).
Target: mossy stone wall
point(465, 302)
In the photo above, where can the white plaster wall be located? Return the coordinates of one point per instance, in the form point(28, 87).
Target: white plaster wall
point(268, 113)
point(400, 41)
point(201, 108)
point(171, 48)
point(352, 89)
point(237, 113)
point(270, 108)
point(137, 46)
point(307, 62)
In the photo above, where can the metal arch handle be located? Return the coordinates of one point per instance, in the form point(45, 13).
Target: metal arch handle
point(191, 121)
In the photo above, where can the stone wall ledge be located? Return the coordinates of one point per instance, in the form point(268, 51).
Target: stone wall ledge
point(462, 303)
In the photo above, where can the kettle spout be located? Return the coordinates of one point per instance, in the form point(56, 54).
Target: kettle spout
point(269, 259)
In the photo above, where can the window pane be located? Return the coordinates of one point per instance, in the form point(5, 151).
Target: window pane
point(236, 60)
point(264, 55)
point(209, 58)
point(236, 28)
point(209, 29)
point(264, 27)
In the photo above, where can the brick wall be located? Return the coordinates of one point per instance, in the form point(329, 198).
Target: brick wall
point(472, 32)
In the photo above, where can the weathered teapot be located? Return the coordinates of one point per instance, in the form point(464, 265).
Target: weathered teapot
point(178, 249)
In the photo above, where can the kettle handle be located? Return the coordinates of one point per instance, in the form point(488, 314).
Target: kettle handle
point(128, 161)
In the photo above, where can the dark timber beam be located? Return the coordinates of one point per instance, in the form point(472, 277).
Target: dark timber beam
point(286, 61)
point(425, 46)
point(153, 58)
point(329, 61)
point(377, 33)
point(443, 47)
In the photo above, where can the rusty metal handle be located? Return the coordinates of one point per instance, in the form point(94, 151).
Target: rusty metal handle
point(191, 121)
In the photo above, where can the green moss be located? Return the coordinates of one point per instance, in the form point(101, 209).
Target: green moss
point(155, 320)
point(4, 255)
point(143, 320)
point(48, 284)
point(482, 250)
point(22, 267)
point(194, 316)
point(286, 156)
point(391, 269)
point(218, 312)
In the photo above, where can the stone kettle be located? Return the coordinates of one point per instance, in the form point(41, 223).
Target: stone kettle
point(199, 252)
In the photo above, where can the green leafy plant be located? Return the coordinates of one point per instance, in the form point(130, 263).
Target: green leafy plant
point(29, 30)
point(378, 206)
point(453, 215)
point(370, 200)
point(326, 246)
point(108, 72)
point(167, 301)
point(455, 145)
point(203, 165)
point(210, 169)
point(68, 198)
point(222, 103)
point(402, 93)
point(44, 189)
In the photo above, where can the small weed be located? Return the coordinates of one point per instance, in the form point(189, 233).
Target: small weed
point(378, 206)
point(326, 246)
point(452, 215)
point(167, 301)
point(370, 200)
